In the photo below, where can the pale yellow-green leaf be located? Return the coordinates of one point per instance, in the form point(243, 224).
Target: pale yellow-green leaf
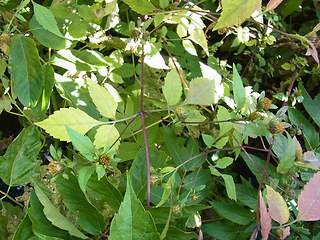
point(172, 88)
point(278, 208)
point(103, 99)
point(236, 12)
point(197, 35)
point(106, 135)
point(74, 118)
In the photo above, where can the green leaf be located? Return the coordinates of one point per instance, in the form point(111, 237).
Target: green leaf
point(47, 38)
point(286, 151)
point(223, 115)
point(128, 150)
point(176, 151)
point(54, 216)
point(238, 89)
point(239, 10)
point(19, 164)
point(257, 162)
point(74, 118)
point(106, 135)
point(168, 188)
point(312, 106)
point(224, 162)
point(172, 88)
point(102, 190)
point(177, 234)
point(197, 35)
point(104, 99)
point(86, 12)
point(46, 19)
point(230, 186)
point(78, 96)
point(140, 6)
point(40, 224)
point(309, 132)
point(196, 179)
point(27, 76)
point(42, 106)
point(247, 195)
point(85, 173)
point(201, 91)
point(223, 231)
point(132, 221)
point(82, 143)
point(193, 150)
point(278, 208)
point(24, 230)
point(233, 212)
point(74, 199)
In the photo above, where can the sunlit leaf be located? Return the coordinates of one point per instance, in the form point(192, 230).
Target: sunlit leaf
point(46, 19)
point(85, 173)
point(74, 118)
point(26, 72)
point(272, 4)
point(54, 216)
point(309, 200)
point(265, 219)
point(106, 136)
point(19, 164)
point(132, 221)
point(278, 208)
point(230, 186)
point(103, 99)
point(238, 89)
point(140, 6)
point(197, 35)
point(201, 91)
point(239, 10)
point(172, 89)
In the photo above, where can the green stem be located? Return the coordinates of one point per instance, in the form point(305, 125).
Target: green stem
point(12, 199)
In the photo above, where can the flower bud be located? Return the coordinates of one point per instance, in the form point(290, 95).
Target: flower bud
point(276, 127)
point(265, 104)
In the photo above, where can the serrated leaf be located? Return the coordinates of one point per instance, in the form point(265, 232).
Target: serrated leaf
point(106, 135)
point(272, 4)
point(201, 91)
point(19, 164)
point(278, 208)
point(309, 200)
point(54, 216)
point(233, 212)
point(230, 186)
point(238, 89)
point(27, 76)
point(82, 143)
point(265, 219)
point(74, 199)
point(132, 221)
point(172, 88)
point(103, 99)
point(46, 19)
point(74, 118)
point(167, 190)
point(140, 6)
point(197, 35)
point(239, 10)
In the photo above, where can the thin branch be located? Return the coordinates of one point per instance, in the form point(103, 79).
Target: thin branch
point(262, 178)
point(174, 63)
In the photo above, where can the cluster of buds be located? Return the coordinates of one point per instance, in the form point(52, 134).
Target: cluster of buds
point(105, 160)
point(54, 167)
point(276, 127)
point(264, 104)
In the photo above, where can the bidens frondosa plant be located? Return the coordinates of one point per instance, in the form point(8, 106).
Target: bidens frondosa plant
point(159, 119)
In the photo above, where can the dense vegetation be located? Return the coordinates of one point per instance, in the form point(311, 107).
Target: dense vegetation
point(159, 119)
